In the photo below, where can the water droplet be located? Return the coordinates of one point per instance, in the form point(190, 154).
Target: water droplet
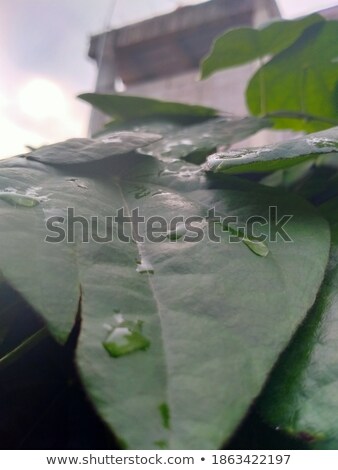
point(10, 190)
point(178, 232)
point(125, 337)
point(186, 142)
point(259, 248)
point(188, 174)
point(171, 160)
point(165, 415)
point(33, 191)
point(167, 172)
point(18, 199)
point(144, 266)
point(160, 193)
point(77, 182)
point(218, 161)
point(107, 327)
point(119, 318)
point(112, 140)
point(141, 192)
point(44, 198)
point(323, 143)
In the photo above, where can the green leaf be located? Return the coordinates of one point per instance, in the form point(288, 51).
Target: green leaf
point(145, 125)
point(77, 151)
point(194, 143)
point(242, 45)
point(124, 109)
point(289, 178)
point(298, 87)
point(301, 397)
point(274, 157)
point(314, 180)
point(180, 319)
point(38, 270)
point(161, 322)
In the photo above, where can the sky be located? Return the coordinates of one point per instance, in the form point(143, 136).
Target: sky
point(44, 63)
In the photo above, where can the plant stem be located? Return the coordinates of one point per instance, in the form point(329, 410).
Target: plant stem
point(25, 346)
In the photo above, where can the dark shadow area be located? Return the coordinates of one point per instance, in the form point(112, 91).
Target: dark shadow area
point(42, 404)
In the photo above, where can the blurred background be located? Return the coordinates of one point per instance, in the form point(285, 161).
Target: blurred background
point(45, 64)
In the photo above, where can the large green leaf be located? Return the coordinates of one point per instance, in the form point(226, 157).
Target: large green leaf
point(76, 151)
point(274, 157)
point(301, 397)
point(242, 45)
point(27, 186)
point(189, 314)
point(301, 81)
point(126, 109)
point(44, 274)
point(194, 143)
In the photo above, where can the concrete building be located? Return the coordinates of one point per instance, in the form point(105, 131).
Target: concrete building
point(160, 57)
point(330, 13)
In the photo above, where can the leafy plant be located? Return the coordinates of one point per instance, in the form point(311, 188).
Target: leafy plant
point(174, 341)
point(296, 83)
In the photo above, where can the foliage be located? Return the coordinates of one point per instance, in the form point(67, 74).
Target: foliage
point(296, 82)
point(175, 341)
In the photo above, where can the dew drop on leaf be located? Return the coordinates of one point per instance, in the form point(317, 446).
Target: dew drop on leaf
point(178, 232)
point(125, 338)
point(141, 191)
point(144, 266)
point(33, 191)
point(259, 248)
point(17, 199)
point(167, 172)
point(322, 143)
point(112, 140)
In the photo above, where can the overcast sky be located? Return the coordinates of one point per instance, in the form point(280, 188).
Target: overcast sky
point(44, 64)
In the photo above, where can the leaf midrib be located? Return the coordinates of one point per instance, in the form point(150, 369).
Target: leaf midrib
point(158, 308)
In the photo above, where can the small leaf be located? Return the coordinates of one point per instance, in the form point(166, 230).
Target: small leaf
point(274, 157)
point(298, 87)
point(124, 108)
point(242, 45)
